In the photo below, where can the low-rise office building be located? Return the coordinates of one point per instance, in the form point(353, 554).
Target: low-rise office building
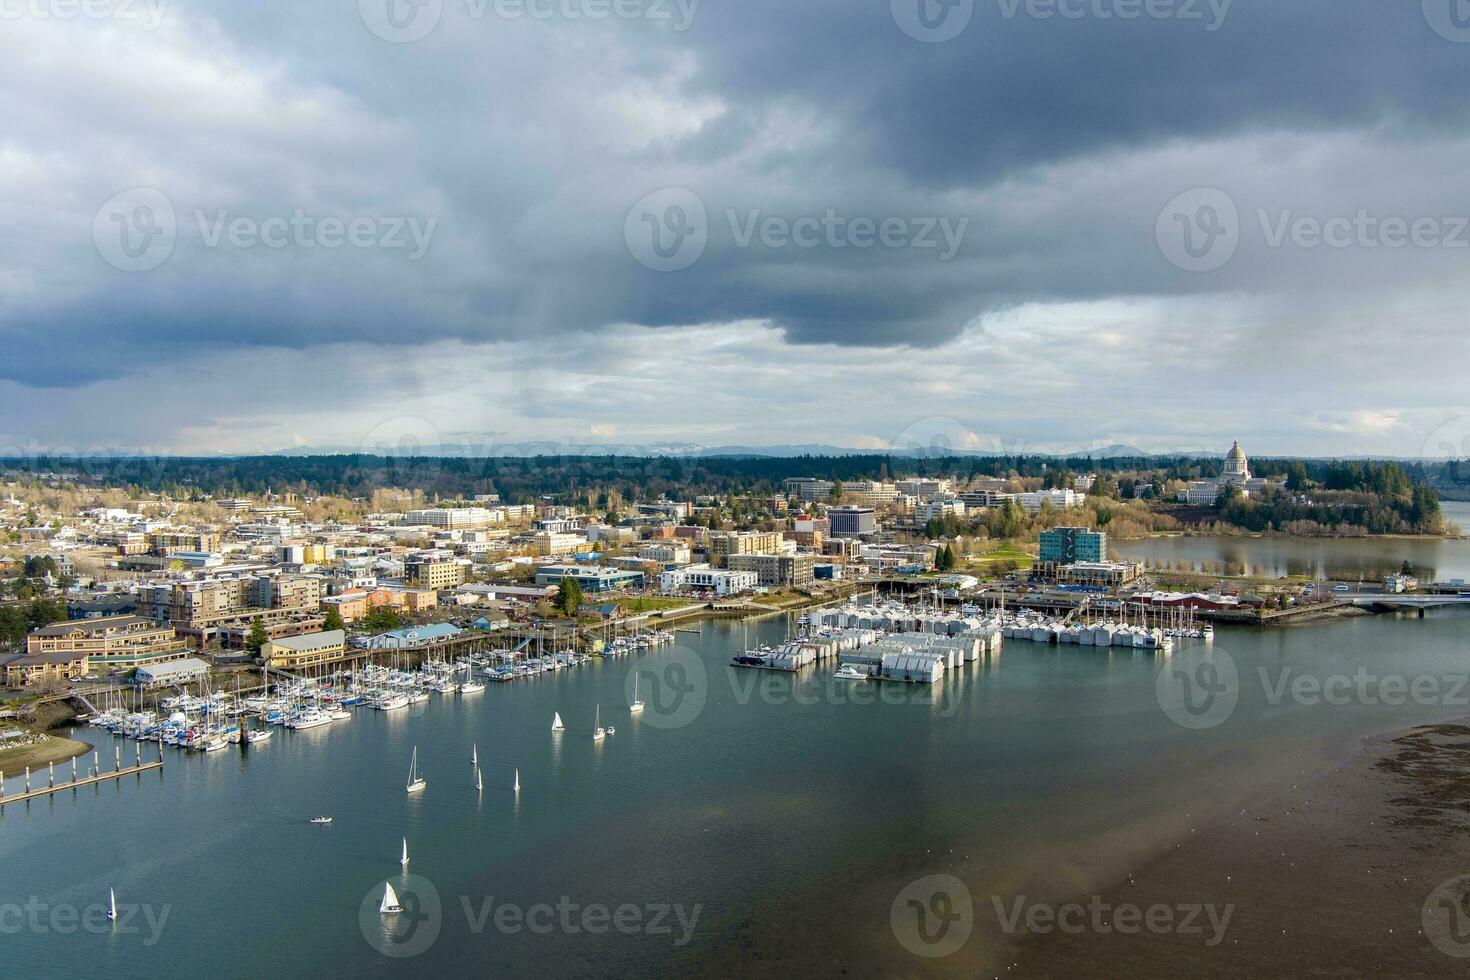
point(306, 650)
point(795, 570)
point(702, 578)
point(120, 642)
point(592, 578)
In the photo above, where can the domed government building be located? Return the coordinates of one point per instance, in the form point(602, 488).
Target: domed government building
point(1237, 472)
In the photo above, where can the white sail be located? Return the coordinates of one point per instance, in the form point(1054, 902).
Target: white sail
point(415, 781)
point(478, 783)
point(475, 754)
point(111, 904)
point(556, 724)
point(390, 900)
point(518, 780)
point(404, 860)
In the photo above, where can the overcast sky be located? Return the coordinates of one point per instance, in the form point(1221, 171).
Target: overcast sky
point(993, 224)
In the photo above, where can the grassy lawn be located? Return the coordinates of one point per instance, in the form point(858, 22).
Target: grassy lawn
point(54, 749)
point(1004, 553)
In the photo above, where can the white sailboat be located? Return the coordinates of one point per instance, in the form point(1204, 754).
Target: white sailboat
point(556, 724)
point(416, 782)
point(637, 705)
point(111, 905)
point(518, 780)
point(597, 730)
point(475, 754)
point(390, 904)
point(404, 860)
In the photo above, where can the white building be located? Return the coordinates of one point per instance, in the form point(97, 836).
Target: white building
point(1237, 472)
point(1060, 499)
point(666, 553)
point(936, 510)
point(553, 543)
point(453, 518)
point(720, 581)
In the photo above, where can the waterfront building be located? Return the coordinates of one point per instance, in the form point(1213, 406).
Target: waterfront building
point(1066, 545)
point(109, 641)
point(169, 674)
point(40, 669)
point(720, 581)
point(306, 650)
point(592, 578)
point(1100, 574)
point(796, 570)
point(725, 544)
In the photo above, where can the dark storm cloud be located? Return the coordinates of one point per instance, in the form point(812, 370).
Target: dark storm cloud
point(1057, 140)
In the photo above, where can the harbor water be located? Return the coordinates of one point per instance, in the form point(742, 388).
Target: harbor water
point(746, 821)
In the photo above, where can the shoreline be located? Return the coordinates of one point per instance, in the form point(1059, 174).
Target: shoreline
point(55, 749)
point(1328, 879)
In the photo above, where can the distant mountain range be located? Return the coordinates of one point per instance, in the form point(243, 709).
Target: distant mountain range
point(694, 450)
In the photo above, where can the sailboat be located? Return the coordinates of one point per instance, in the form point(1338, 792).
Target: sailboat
point(479, 783)
point(111, 905)
point(475, 754)
point(404, 860)
point(415, 781)
point(556, 724)
point(390, 904)
point(518, 780)
point(637, 705)
point(597, 730)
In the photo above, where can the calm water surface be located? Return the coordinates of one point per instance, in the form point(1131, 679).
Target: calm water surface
point(785, 810)
point(1338, 558)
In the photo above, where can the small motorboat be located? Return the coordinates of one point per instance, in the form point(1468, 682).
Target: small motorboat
point(611, 730)
point(321, 820)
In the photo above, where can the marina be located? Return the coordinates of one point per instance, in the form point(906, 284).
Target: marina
point(1032, 717)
